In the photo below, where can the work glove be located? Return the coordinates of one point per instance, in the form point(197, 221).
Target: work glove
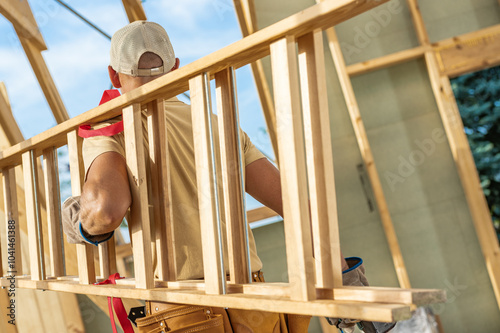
point(355, 276)
point(72, 225)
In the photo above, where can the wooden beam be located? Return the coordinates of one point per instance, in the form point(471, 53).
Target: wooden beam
point(469, 53)
point(376, 311)
point(51, 173)
point(134, 10)
point(245, 10)
point(366, 154)
point(139, 223)
point(211, 239)
point(318, 147)
point(20, 15)
point(42, 73)
point(161, 189)
point(7, 120)
point(232, 177)
point(241, 53)
point(12, 220)
point(386, 61)
point(418, 22)
point(293, 173)
point(260, 213)
point(37, 265)
point(467, 171)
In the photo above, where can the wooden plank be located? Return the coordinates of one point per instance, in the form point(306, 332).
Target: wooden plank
point(139, 223)
point(232, 177)
point(260, 213)
point(7, 120)
point(366, 154)
point(318, 147)
point(469, 54)
point(386, 61)
point(44, 79)
point(161, 191)
point(85, 252)
point(293, 173)
point(30, 171)
point(107, 258)
point(20, 15)
point(245, 10)
point(418, 22)
point(134, 10)
point(376, 311)
point(53, 200)
point(211, 239)
point(12, 222)
point(238, 54)
point(467, 171)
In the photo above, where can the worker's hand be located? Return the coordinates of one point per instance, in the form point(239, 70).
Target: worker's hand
point(73, 227)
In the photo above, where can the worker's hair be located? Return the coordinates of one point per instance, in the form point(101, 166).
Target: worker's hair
point(150, 60)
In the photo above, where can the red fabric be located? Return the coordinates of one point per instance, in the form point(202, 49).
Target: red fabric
point(119, 308)
point(85, 131)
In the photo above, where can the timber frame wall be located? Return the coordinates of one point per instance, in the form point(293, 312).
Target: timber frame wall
point(315, 286)
point(444, 60)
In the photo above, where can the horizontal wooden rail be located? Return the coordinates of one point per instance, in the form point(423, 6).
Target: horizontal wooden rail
point(388, 303)
point(238, 54)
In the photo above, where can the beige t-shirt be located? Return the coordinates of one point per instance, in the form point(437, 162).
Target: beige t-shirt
point(183, 182)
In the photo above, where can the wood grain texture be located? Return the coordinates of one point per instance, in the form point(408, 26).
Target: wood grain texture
point(134, 10)
point(53, 207)
point(37, 266)
point(139, 223)
point(207, 185)
point(11, 210)
point(232, 177)
point(293, 173)
point(161, 191)
point(318, 147)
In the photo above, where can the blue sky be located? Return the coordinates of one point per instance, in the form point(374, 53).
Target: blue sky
point(77, 55)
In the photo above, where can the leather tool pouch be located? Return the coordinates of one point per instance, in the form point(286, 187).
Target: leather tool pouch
point(182, 319)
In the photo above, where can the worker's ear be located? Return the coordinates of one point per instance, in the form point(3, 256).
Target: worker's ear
point(176, 65)
point(113, 76)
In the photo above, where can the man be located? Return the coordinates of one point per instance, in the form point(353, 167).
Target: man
point(140, 53)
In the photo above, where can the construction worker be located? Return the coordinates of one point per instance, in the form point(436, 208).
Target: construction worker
point(140, 53)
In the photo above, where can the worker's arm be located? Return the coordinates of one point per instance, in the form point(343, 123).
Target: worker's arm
point(106, 194)
point(262, 181)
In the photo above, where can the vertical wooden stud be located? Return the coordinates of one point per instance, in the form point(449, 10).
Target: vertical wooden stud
point(139, 223)
point(53, 208)
point(12, 221)
point(293, 169)
point(85, 253)
point(207, 185)
point(161, 191)
point(107, 257)
point(323, 201)
point(33, 217)
point(232, 178)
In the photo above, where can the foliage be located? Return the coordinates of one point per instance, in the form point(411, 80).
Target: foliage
point(478, 98)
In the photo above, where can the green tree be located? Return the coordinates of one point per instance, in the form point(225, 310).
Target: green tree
point(478, 98)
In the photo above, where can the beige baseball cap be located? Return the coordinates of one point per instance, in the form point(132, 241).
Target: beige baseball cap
point(133, 40)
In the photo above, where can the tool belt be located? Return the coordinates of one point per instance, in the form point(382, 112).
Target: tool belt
point(179, 318)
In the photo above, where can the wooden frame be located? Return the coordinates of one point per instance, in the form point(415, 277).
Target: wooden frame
point(301, 295)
